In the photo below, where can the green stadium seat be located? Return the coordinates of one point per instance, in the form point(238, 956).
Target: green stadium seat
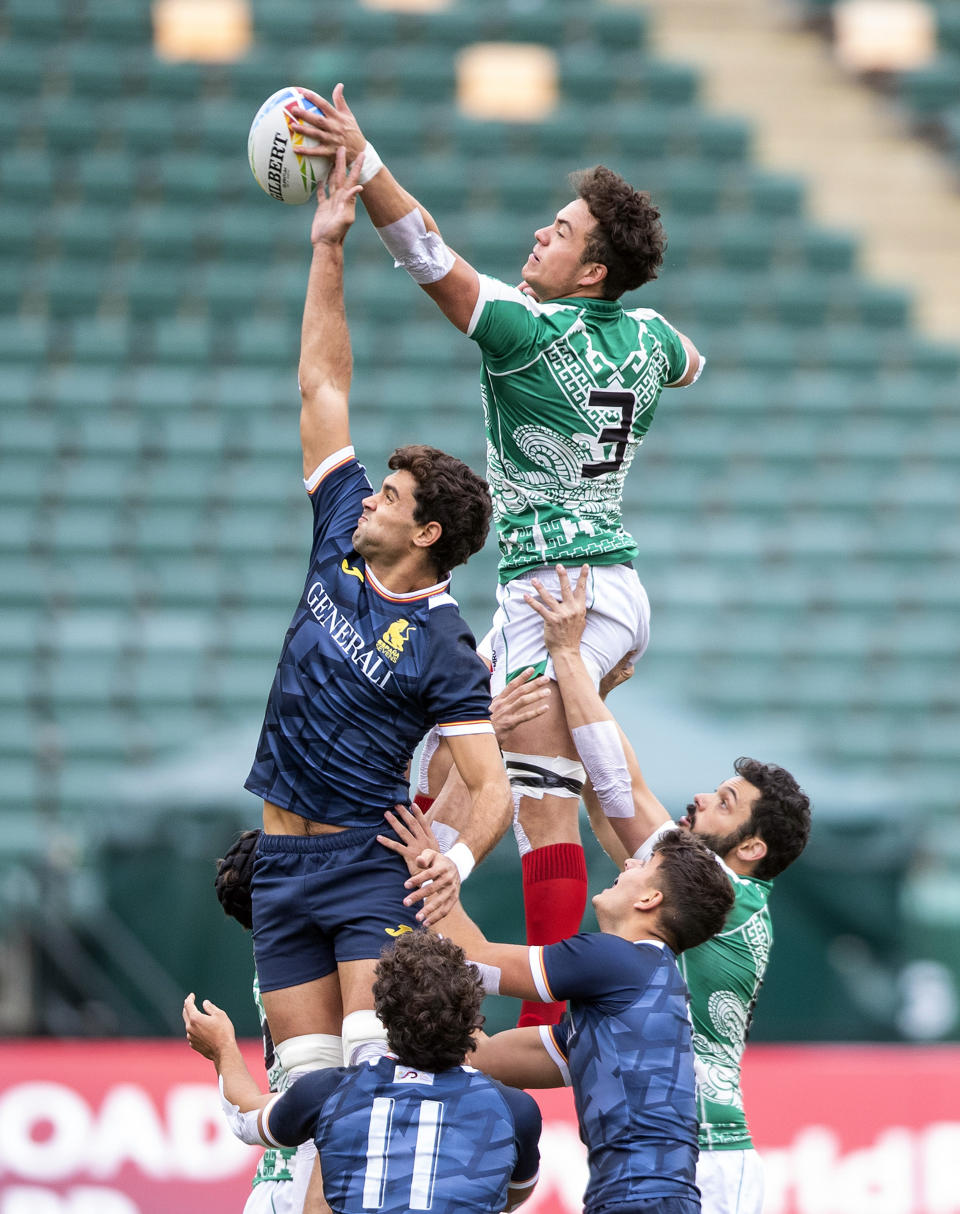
point(883, 307)
point(185, 434)
point(20, 224)
point(183, 481)
point(617, 29)
point(109, 178)
point(770, 194)
point(27, 175)
point(251, 80)
point(94, 339)
point(118, 21)
point(86, 232)
point(164, 388)
point(86, 529)
point(162, 529)
point(828, 251)
point(74, 287)
point(144, 128)
point(168, 80)
point(928, 91)
point(263, 436)
point(177, 580)
point(71, 389)
point(184, 342)
point(23, 337)
point(267, 342)
point(97, 71)
point(150, 289)
point(67, 127)
point(22, 67)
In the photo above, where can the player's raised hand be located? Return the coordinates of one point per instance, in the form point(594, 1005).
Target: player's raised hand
point(563, 620)
point(337, 207)
point(523, 698)
point(434, 878)
point(210, 1031)
point(335, 127)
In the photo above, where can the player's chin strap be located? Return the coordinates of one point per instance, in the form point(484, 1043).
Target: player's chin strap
point(364, 1038)
point(421, 253)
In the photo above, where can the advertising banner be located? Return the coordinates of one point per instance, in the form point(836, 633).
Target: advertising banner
point(136, 1128)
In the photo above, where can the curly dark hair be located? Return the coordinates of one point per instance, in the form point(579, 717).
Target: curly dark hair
point(451, 494)
point(428, 999)
point(628, 238)
point(697, 893)
point(781, 816)
point(234, 877)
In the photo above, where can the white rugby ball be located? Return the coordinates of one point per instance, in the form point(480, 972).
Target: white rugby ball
point(275, 154)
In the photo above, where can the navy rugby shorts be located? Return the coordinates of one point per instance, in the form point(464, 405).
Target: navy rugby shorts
point(322, 899)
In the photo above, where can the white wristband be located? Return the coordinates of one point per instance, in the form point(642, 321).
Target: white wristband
point(372, 164)
point(462, 857)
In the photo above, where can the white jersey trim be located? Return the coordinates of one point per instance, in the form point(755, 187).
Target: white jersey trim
point(338, 457)
point(458, 729)
point(407, 595)
point(555, 1056)
point(493, 288)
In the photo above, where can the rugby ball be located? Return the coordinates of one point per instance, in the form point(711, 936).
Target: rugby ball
point(274, 150)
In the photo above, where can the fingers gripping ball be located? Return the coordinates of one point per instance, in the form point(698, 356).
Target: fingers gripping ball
point(275, 150)
point(235, 876)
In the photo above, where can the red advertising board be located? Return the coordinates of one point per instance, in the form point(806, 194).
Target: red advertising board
point(136, 1128)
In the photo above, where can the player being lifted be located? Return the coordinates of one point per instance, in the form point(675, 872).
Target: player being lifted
point(376, 654)
point(570, 382)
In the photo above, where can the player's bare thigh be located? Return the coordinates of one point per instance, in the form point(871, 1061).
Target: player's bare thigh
point(320, 1006)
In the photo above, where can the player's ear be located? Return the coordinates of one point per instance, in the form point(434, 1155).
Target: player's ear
point(752, 849)
point(594, 272)
point(428, 534)
point(650, 900)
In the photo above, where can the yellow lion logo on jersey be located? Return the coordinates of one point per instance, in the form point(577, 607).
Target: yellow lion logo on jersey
point(393, 640)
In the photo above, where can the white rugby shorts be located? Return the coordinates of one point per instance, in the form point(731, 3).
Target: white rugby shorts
point(730, 1182)
point(273, 1197)
point(618, 622)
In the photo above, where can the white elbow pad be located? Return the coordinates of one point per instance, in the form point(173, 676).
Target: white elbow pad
point(244, 1125)
point(598, 745)
point(421, 253)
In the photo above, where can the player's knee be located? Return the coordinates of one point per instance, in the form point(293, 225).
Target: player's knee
point(310, 1052)
point(539, 776)
point(364, 1037)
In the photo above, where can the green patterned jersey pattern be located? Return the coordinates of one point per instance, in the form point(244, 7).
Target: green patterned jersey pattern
point(569, 389)
point(724, 976)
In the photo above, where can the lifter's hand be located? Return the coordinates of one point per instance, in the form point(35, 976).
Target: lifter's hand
point(523, 698)
point(337, 206)
point(563, 621)
point(209, 1032)
point(434, 878)
point(334, 128)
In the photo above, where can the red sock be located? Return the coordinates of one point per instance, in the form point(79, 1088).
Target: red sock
point(554, 899)
point(423, 802)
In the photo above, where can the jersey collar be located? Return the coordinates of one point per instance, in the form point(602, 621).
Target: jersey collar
point(411, 596)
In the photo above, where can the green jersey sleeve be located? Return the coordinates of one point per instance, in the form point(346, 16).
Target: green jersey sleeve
point(673, 347)
point(506, 323)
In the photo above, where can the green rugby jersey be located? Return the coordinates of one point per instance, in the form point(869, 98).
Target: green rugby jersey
point(569, 389)
point(276, 1163)
point(724, 977)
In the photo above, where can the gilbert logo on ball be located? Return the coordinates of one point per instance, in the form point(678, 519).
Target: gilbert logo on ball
point(276, 152)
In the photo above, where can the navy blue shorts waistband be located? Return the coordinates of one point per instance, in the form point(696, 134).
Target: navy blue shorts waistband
point(337, 840)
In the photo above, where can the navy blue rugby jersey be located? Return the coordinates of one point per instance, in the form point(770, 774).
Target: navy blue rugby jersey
point(626, 1048)
point(392, 1138)
point(363, 674)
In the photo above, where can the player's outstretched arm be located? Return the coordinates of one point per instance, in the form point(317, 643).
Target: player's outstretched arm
point(211, 1033)
point(627, 801)
point(326, 361)
point(408, 230)
point(695, 364)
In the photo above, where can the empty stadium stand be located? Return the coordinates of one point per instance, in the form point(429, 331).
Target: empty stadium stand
point(795, 511)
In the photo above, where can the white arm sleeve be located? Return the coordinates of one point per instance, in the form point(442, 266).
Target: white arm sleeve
point(489, 977)
point(601, 752)
point(244, 1125)
point(645, 850)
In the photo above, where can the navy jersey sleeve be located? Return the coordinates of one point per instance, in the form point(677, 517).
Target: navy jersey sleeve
point(455, 683)
point(592, 967)
point(528, 1122)
point(293, 1117)
point(337, 489)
